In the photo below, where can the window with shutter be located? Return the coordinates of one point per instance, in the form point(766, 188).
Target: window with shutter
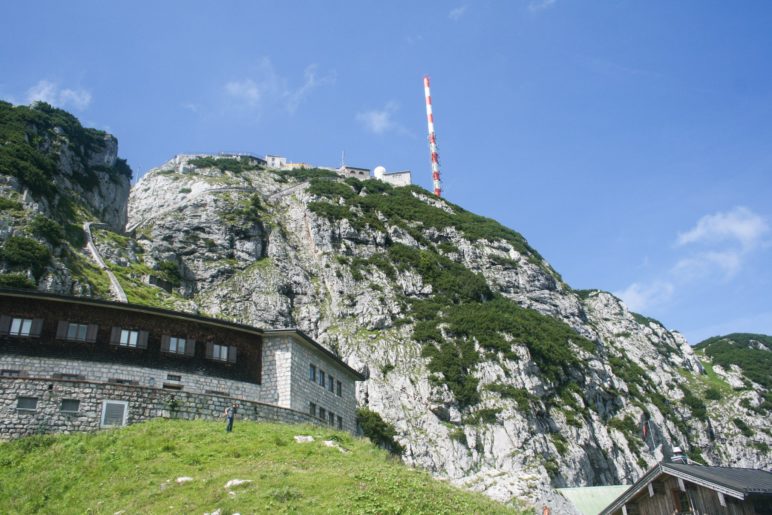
point(114, 413)
point(76, 332)
point(221, 352)
point(24, 326)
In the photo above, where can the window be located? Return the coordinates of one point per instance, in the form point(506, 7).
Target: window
point(131, 338)
point(27, 403)
point(321, 378)
point(76, 332)
point(69, 377)
point(312, 373)
point(114, 413)
point(70, 405)
point(218, 392)
point(312, 408)
point(20, 327)
point(116, 380)
point(173, 377)
point(172, 386)
point(322, 413)
point(340, 389)
point(10, 373)
point(332, 418)
point(340, 422)
point(220, 352)
point(178, 345)
point(330, 383)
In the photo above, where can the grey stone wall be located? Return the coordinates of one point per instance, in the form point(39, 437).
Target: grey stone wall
point(304, 391)
point(143, 403)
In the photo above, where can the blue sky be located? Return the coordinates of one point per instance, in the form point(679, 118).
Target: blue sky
point(629, 142)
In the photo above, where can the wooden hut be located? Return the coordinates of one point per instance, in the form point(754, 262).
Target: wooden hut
point(678, 488)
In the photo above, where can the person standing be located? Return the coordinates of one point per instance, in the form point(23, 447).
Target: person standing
point(230, 413)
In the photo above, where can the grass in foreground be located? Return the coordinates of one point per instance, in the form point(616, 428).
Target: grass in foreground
point(133, 469)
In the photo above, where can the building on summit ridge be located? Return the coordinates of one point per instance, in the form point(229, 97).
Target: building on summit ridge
point(78, 364)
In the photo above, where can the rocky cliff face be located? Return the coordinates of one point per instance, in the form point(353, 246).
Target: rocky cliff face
point(495, 373)
point(410, 287)
point(55, 175)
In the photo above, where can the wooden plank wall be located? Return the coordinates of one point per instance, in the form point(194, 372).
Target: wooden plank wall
point(704, 501)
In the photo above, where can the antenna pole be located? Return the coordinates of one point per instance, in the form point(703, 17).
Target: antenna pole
point(432, 140)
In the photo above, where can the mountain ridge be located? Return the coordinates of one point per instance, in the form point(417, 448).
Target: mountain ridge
point(494, 372)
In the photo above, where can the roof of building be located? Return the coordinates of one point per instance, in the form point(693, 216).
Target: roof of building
point(735, 482)
point(295, 333)
point(589, 500)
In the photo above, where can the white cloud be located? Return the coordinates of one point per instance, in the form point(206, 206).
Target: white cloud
point(717, 247)
point(268, 87)
point(727, 263)
point(640, 297)
point(540, 5)
point(739, 224)
point(49, 92)
point(726, 239)
point(457, 13)
point(311, 82)
point(379, 121)
point(78, 98)
point(246, 91)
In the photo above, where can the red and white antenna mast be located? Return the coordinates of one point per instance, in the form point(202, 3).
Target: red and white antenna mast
point(432, 140)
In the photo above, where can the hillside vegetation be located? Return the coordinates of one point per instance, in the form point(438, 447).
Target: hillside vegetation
point(134, 470)
point(751, 352)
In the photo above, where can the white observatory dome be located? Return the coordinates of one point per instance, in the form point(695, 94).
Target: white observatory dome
point(379, 172)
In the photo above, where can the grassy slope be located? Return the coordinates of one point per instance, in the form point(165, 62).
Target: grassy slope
point(124, 470)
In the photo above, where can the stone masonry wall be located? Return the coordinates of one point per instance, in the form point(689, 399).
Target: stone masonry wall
point(304, 391)
point(143, 403)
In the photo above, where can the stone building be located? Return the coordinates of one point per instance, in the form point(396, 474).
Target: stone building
point(75, 364)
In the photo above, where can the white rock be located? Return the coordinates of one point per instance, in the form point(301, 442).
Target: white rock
point(236, 482)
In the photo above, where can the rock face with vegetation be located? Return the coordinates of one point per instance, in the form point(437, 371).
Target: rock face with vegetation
point(493, 372)
point(55, 175)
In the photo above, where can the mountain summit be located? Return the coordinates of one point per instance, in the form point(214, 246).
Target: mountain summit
point(494, 372)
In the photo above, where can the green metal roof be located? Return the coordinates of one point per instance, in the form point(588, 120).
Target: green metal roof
point(590, 500)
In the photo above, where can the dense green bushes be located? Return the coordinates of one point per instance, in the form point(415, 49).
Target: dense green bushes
point(23, 130)
point(16, 281)
point(226, 164)
point(403, 207)
point(743, 427)
point(378, 431)
point(7, 204)
point(25, 253)
point(46, 228)
point(463, 310)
